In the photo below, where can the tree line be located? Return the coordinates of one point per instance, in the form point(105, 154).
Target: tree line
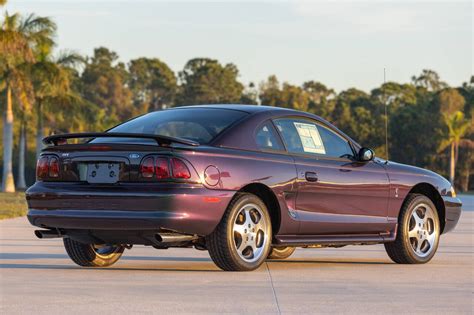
point(43, 91)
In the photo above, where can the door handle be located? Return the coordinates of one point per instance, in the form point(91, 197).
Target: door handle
point(345, 170)
point(311, 176)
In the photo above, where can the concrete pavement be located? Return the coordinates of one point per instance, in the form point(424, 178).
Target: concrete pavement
point(36, 276)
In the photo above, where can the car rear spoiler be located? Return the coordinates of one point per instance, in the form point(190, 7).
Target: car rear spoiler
point(160, 140)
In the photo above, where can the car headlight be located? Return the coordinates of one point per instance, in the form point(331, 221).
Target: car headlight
point(453, 193)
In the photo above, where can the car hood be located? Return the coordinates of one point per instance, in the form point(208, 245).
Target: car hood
point(415, 170)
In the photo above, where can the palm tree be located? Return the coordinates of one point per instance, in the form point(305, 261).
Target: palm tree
point(458, 126)
point(21, 180)
point(19, 38)
point(52, 79)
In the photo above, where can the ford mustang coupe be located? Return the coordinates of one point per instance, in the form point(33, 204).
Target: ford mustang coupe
point(246, 183)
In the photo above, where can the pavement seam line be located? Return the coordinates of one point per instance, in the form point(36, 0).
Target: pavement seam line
point(273, 288)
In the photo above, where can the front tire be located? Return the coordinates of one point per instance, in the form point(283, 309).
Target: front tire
point(418, 232)
point(241, 241)
point(90, 255)
point(281, 252)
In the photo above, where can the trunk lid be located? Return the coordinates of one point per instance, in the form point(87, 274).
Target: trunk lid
point(102, 163)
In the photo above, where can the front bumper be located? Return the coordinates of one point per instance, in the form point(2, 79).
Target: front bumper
point(452, 206)
point(131, 206)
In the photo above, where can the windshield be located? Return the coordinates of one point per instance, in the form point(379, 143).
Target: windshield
point(197, 124)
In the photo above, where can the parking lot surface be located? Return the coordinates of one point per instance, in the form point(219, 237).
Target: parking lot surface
point(37, 277)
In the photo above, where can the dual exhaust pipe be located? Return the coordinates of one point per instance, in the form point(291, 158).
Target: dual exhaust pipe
point(160, 238)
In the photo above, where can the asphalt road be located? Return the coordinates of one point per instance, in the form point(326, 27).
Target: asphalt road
point(37, 277)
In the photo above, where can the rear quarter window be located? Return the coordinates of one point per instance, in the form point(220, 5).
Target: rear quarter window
point(267, 138)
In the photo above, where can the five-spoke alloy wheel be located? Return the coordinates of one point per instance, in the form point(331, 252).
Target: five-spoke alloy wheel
point(242, 239)
point(418, 232)
point(250, 237)
point(421, 230)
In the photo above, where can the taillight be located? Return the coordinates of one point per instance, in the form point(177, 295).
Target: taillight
point(161, 168)
point(53, 167)
point(42, 168)
point(180, 170)
point(147, 169)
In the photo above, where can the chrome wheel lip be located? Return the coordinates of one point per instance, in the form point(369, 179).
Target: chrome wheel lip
point(105, 250)
point(422, 230)
point(250, 237)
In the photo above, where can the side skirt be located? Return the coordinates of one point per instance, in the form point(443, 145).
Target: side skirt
point(333, 240)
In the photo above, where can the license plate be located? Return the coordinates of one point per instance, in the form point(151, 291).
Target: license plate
point(103, 173)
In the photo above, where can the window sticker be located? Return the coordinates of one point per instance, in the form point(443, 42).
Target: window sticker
point(310, 138)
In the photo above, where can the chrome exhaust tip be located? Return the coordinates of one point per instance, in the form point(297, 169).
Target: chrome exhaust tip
point(48, 234)
point(166, 238)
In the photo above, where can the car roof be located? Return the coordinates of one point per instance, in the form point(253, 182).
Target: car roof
point(239, 107)
point(254, 109)
point(258, 114)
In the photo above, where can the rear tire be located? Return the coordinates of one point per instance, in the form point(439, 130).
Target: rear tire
point(89, 255)
point(241, 241)
point(281, 252)
point(418, 232)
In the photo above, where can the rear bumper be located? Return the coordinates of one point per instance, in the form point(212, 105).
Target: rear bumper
point(453, 212)
point(137, 206)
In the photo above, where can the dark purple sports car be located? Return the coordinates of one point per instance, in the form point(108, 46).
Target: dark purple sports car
point(246, 183)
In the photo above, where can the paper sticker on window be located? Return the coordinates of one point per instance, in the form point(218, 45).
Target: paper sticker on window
point(310, 138)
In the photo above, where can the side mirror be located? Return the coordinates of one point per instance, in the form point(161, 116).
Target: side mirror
point(366, 154)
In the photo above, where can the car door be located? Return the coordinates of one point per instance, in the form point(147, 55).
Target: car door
point(336, 194)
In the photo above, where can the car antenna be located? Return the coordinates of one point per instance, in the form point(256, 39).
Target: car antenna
point(386, 120)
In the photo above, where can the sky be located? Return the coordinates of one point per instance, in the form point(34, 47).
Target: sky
point(342, 44)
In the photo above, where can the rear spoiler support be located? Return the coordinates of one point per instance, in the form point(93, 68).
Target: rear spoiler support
point(160, 140)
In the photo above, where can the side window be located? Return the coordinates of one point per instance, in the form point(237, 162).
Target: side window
point(303, 136)
point(267, 139)
point(335, 145)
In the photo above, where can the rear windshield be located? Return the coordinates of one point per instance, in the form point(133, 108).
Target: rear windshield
point(198, 124)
